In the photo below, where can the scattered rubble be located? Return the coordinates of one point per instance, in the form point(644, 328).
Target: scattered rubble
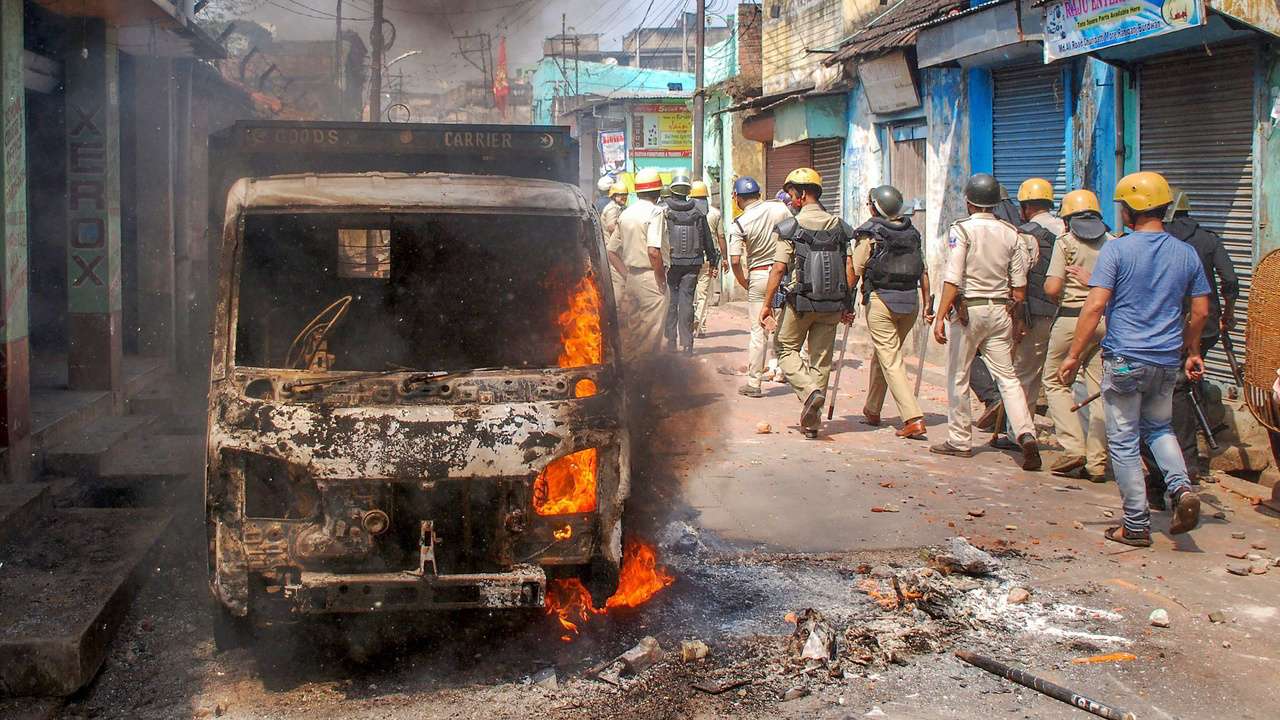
point(1258, 545)
point(763, 428)
point(1238, 535)
point(1259, 566)
point(545, 679)
point(1217, 616)
point(1018, 595)
point(977, 512)
point(644, 655)
point(1241, 570)
point(1108, 658)
point(691, 650)
point(959, 556)
point(813, 638)
point(1159, 618)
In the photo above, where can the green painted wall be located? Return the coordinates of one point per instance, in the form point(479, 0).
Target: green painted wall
point(13, 176)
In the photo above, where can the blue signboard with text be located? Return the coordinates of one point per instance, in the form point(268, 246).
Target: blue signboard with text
point(1077, 27)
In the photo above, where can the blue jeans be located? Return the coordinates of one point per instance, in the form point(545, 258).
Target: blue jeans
point(1138, 399)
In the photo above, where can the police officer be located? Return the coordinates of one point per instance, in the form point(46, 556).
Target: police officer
point(889, 257)
point(640, 247)
point(1224, 290)
point(1040, 230)
point(813, 250)
point(986, 284)
point(609, 225)
point(603, 185)
point(703, 293)
point(692, 246)
point(752, 246)
point(1066, 283)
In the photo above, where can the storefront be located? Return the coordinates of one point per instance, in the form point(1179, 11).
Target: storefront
point(1029, 125)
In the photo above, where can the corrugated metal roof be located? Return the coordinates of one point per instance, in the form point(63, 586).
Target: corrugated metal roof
point(896, 27)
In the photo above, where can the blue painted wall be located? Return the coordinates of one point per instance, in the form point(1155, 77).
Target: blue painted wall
point(981, 121)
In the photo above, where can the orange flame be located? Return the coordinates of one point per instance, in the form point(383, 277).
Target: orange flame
point(641, 578)
point(888, 600)
point(567, 485)
point(563, 533)
point(580, 326)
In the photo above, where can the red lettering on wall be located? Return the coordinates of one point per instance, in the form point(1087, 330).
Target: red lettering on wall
point(92, 191)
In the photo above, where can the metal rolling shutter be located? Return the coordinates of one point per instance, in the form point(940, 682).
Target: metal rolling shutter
point(779, 162)
point(1196, 128)
point(828, 159)
point(1029, 123)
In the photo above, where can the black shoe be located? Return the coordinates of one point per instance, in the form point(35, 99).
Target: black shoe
point(946, 448)
point(1030, 452)
point(811, 415)
point(1001, 442)
point(1186, 512)
point(749, 391)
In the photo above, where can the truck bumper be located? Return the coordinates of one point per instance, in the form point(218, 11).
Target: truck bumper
point(525, 586)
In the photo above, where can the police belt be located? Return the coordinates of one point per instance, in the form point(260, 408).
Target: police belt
point(1069, 312)
point(976, 302)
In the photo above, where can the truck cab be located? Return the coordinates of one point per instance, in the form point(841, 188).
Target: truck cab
point(416, 399)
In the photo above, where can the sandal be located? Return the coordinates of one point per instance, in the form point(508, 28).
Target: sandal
point(1122, 536)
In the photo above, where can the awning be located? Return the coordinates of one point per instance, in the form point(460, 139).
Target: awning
point(156, 28)
point(810, 117)
point(994, 33)
point(894, 28)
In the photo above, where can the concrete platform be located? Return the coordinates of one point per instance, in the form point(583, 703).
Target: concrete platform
point(19, 502)
point(84, 456)
point(67, 584)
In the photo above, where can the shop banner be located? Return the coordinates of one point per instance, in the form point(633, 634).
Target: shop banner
point(661, 130)
point(1077, 27)
point(613, 150)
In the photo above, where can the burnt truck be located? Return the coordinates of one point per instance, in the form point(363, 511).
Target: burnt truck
point(416, 399)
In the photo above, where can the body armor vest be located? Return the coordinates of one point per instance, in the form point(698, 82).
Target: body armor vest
point(1038, 303)
point(685, 223)
point(897, 261)
point(818, 280)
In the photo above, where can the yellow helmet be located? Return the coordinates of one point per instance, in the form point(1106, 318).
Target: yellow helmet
point(1143, 191)
point(1078, 201)
point(619, 188)
point(1181, 200)
point(648, 180)
point(803, 176)
point(699, 189)
point(1036, 189)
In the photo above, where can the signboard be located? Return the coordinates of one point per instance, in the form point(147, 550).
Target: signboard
point(888, 83)
point(661, 130)
point(1077, 27)
point(613, 151)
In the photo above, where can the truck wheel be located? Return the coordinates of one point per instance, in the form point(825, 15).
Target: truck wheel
point(229, 631)
point(601, 580)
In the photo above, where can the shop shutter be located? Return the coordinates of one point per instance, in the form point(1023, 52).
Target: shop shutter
point(828, 156)
point(1030, 125)
point(779, 162)
point(1196, 128)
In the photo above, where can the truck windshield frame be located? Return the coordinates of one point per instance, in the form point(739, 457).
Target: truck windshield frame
point(449, 292)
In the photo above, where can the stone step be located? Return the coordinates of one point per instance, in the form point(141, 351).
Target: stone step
point(150, 469)
point(82, 456)
point(67, 584)
point(19, 504)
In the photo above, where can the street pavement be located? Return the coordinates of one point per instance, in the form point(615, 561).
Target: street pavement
point(786, 522)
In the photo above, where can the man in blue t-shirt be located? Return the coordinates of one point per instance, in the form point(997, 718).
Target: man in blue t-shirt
point(1140, 281)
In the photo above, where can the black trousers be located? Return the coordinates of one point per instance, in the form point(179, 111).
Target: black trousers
point(982, 384)
point(682, 282)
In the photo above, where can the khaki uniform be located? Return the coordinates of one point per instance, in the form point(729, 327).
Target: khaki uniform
point(986, 258)
point(704, 292)
point(609, 226)
point(752, 238)
point(889, 331)
point(640, 227)
point(1029, 353)
point(1071, 250)
point(812, 331)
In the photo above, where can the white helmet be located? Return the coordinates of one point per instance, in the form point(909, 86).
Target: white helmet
point(604, 184)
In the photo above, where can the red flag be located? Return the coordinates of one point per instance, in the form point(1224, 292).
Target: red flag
point(501, 88)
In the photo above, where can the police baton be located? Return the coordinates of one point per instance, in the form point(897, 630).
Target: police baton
point(835, 386)
point(1230, 347)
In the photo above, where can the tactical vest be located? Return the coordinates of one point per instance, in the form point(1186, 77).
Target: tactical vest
point(1038, 303)
point(897, 261)
point(818, 280)
point(684, 232)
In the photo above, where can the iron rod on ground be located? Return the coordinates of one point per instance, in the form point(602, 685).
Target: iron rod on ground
point(1057, 692)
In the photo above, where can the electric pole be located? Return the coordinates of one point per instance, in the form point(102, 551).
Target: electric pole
point(684, 40)
point(375, 69)
point(699, 95)
point(337, 61)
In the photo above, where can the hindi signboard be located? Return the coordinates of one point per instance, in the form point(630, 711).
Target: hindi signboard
point(1078, 27)
point(613, 150)
point(661, 130)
